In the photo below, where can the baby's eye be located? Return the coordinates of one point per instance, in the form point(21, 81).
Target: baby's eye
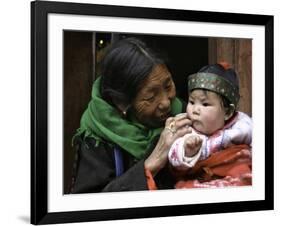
point(191, 102)
point(206, 104)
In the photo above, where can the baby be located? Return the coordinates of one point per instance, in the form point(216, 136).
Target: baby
point(216, 124)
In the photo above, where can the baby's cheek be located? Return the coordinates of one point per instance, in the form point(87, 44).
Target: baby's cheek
point(209, 122)
point(212, 124)
point(188, 110)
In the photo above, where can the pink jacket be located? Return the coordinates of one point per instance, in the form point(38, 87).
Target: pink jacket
point(237, 131)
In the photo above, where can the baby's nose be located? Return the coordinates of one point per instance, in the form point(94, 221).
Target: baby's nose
point(196, 110)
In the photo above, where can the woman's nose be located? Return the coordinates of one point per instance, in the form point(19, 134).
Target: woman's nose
point(164, 103)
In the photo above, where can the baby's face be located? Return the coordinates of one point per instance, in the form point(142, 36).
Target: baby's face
point(206, 111)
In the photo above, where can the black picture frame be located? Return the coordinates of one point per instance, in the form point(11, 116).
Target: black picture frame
point(39, 112)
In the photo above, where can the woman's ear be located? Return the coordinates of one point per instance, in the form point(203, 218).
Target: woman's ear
point(229, 112)
point(123, 108)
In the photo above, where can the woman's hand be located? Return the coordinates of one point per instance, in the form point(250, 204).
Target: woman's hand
point(175, 127)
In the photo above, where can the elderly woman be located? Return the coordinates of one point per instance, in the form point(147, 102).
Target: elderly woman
point(121, 143)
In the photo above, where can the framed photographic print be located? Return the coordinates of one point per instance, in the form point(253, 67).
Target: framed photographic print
point(69, 41)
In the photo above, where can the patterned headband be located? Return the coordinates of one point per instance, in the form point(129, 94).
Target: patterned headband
point(215, 83)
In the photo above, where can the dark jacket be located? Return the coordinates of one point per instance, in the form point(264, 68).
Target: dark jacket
point(95, 170)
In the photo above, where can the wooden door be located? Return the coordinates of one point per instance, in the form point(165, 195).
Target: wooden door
point(238, 53)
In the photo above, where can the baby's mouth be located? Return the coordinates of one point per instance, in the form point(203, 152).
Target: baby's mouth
point(195, 122)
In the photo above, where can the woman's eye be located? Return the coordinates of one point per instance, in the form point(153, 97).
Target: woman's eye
point(168, 86)
point(151, 98)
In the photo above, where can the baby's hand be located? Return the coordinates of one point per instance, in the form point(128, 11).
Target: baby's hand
point(192, 145)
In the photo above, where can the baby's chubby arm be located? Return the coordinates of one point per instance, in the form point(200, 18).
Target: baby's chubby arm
point(186, 150)
point(192, 145)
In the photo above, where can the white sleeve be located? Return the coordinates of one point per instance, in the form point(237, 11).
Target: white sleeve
point(240, 132)
point(177, 156)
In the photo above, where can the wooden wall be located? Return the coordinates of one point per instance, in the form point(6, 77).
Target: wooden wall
point(78, 80)
point(238, 53)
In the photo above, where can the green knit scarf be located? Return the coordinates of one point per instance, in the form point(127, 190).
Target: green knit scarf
point(104, 123)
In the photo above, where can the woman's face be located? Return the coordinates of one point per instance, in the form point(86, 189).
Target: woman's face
point(152, 105)
point(206, 112)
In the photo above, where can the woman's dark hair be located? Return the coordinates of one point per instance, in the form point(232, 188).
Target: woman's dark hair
point(125, 65)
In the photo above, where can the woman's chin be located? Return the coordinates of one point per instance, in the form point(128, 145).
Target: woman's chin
point(155, 123)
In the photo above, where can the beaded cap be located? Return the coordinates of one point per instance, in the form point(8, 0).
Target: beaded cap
point(215, 83)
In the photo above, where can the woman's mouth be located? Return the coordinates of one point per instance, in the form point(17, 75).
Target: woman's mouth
point(165, 116)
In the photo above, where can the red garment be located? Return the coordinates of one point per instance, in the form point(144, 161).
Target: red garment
point(230, 167)
point(149, 180)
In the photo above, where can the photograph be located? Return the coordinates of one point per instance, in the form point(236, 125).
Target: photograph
point(147, 112)
point(98, 170)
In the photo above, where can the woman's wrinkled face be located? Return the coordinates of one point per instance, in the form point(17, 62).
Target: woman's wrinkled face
point(206, 111)
point(152, 105)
